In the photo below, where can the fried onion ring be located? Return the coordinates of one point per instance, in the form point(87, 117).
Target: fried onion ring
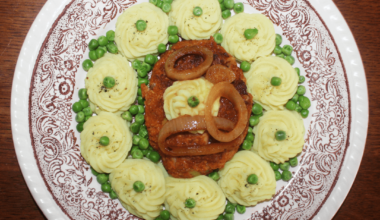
point(192, 73)
point(229, 92)
point(218, 73)
point(192, 123)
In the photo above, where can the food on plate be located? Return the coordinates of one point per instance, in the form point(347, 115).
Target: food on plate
point(235, 34)
point(140, 186)
point(105, 141)
point(247, 179)
point(111, 84)
point(176, 98)
point(195, 24)
point(279, 135)
point(140, 29)
point(196, 198)
point(184, 154)
point(272, 81)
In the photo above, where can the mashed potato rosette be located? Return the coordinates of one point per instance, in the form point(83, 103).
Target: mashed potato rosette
point(233, 179)
point(259, 82)
point(237, 45)
point(118, 98)
point(148, 203)
point(134, 44)
point(192, 27)
point(265, 143)
point(209, 198)
point(105, 158)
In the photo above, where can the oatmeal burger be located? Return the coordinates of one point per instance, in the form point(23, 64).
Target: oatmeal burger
point(197, 108)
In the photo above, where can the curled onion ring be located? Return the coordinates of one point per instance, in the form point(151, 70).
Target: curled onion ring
point(229, 92)
point(219, 73)
point(192, 73)
point(192, 123)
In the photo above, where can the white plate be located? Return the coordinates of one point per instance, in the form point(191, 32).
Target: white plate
point(46, 141)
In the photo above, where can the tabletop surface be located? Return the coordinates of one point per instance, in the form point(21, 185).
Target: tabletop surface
point(362, 202)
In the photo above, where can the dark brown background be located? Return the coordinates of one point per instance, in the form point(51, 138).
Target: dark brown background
point(363, 17)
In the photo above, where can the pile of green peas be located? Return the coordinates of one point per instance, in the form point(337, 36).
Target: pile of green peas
point(103, 179)
point(165, 5)
point(173, 38)
point(286, 175)
point(98, 47)
point(227, 5)
point(257, 112)
point(230, 210)
point(82, 108)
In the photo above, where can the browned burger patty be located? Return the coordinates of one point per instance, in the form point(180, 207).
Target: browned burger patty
point(190, 166)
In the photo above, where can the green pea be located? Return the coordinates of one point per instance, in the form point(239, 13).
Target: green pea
point(82, 94)
point(252, 179)
point(136, 64)
point(77, 107)
point(146, 152)
point(278, 39)
point(87, 111)
point(284, 166)
point(277, 175)
point(245, 66)
point(250, 33)
point(142, 81)
point(218, 38)
point(141, 25)
point(104, 141)
point(230, 208)
point(135, 127)
point(250, 129)
point(140, 100)
point(254, 120)
point(193, 101)
point(139, 118)
point(136, 139)
point(141, 109)
point(238, 7)
point(149, 59)
point(87, 64)
point(301, 79)
point(103, 41)
point(275, 81)
point(295, 98)
point(240, 209)
point(172, 30)
point(286, 175)
point(222, 7)
point(197, 11)
point(293, 161)
point(280, 135)
point(154, 2)
point(80, 117)
point(127, 116)
point(298, 71)
point(220, 1)
point(229, 4)
point(100, 52)
point(229, 217)
point(134, 109)
point(146, 66)
point(277, 50)
point(92, 55)
point(190, 203)
point(166, 7)
point(305, 103)
point(165, 215)
point(173, 39)
point(161, 48)
point(142, 72)
point(137, 154)
point(300, 98)
point(298, 108)
point(250, 137)
point(110, 35)
point(274, 166)
point(159, 3)
point(154, 156)
point(290, 105)
point(109, 82)
point(143, 132)
point(226, 14)
point(93, 44)
point(220, 217)
point(257, 109)
point(84, 103)
point(214, 175)
point(111, 47)
point(287, 50)
point(104, 48)
point(113, 195)
point(106, 187)
point(134, 147)
point(290, 59)
point(139, 92)
point(80, 127)
point(301, 90)
point(138, 186)
point(87, 117)
point(94, 171)
point(168, 1)
point(304, 113)
point(246, 145)
point(102, 178)
point(281, 55)
point(143, 143)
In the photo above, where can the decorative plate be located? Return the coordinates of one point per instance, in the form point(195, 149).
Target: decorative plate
point(48, 76)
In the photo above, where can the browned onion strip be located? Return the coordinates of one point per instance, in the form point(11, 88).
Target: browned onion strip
point(192, 123)
point(229, 92)
point(192, 73)
point(219, 73)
